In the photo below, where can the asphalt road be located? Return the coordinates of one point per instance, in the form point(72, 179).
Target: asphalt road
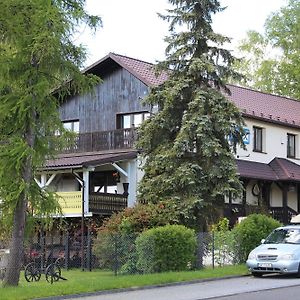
point(246, 288)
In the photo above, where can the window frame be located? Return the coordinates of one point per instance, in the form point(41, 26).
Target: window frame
point(258, 139)
point(72, 123)
point(291, 147)
point(120, 120)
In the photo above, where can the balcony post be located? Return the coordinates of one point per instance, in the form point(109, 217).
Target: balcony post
point(86, 180)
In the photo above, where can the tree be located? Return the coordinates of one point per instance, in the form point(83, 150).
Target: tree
point(271, 60)
point(39, 66)
point(188, 145)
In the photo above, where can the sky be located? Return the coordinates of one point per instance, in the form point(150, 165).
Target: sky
point(132, 27)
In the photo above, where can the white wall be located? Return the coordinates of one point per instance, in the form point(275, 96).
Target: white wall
point(275, 142)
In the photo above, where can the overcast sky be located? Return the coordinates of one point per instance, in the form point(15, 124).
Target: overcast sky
point(132, 27)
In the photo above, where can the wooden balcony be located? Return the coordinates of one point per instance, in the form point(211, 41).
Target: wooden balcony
point(106, 204)
point(99, 203)
point(103, 140)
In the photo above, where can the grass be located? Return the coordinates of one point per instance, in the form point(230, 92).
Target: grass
point(82, 282)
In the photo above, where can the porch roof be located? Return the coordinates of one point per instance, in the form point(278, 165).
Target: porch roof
point(81, 160)
point(255, 170)
point(279, 169)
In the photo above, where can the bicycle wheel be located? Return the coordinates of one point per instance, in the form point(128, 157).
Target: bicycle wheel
point(32, 272)
point(53, 273)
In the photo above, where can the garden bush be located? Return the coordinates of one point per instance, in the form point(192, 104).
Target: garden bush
point(223, 243)
point(249, 233)
point(166, 248)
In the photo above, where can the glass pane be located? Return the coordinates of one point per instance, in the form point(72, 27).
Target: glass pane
point(126, 121)
point(291, 145)
point(68, 125)
point(76, 126)
point(137, 119)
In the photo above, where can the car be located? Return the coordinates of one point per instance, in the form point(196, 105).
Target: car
point(278, 253)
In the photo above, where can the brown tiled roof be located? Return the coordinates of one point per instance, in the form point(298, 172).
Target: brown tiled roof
point(141, 69)
point(254, 104)
point(87, 159)
point(266, 106)
point(279, 169)
point(285, 169)
point(255, 170)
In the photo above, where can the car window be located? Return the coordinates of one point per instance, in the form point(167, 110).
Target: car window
point(284, 236)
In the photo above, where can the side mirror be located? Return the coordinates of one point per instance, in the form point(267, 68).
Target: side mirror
point(262, 241)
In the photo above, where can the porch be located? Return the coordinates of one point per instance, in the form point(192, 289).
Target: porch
point(282, 214)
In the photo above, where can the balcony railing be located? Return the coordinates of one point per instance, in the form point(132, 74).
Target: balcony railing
point(70, 202)
point(102, 140)
point(107, 203)
point(100, 203)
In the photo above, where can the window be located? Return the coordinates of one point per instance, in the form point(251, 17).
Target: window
point(72, 125)
point(258, 139)
point(291, 145)
point(131, 120)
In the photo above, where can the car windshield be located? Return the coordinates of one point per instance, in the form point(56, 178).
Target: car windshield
point(284, 236)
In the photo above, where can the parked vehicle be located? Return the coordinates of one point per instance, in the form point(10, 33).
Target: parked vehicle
point(278, 253)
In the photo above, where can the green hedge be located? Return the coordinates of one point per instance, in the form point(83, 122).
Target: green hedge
point(167, 248)
point(249, 233)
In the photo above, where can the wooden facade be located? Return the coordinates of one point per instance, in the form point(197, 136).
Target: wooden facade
point(118, 93)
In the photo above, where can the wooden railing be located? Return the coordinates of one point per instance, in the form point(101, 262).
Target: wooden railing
point(102, 140)
point(278, 213)
point(106, 203)
point(70, 202)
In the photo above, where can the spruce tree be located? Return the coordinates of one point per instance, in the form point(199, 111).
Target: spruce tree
point(39, 66)
point(188, 146)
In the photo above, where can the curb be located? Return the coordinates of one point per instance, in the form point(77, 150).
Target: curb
point(146, 287)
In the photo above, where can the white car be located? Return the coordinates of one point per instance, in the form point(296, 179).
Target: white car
point(278, 253)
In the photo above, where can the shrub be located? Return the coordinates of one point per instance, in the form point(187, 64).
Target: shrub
point(223, 240)
point(116, 251)
point(249, 233)
point(140, 217)
point(167, 248)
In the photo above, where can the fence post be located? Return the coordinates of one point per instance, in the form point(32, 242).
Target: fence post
point(116, 262)
point(200, 250)
point(89, 250)
point(213, 250)
point(67, 251)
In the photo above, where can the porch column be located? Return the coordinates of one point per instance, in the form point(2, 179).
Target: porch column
point(298, 197)
point(285, 202)
point(267, 193)
point(244, 199)
point(86, 193)
point(132, 180)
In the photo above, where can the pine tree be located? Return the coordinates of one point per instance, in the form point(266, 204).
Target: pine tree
point(188, 145)
point(39, 66)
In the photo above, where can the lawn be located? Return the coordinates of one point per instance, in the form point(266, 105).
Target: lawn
point(81, 282)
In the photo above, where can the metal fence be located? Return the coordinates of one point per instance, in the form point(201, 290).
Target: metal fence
point(117, 252)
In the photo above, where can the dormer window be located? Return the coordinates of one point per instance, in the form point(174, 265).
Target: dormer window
point(291, 145)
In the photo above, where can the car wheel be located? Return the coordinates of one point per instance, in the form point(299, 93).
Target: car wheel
point(298, 273)
point(257, 274)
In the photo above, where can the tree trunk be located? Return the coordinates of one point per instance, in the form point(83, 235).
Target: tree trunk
point(16, 255)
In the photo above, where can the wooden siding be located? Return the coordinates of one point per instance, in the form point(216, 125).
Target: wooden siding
point(119, 92)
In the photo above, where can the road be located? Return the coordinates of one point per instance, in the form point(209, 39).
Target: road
point(246, 288)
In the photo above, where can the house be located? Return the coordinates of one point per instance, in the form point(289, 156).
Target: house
point(99, 174)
